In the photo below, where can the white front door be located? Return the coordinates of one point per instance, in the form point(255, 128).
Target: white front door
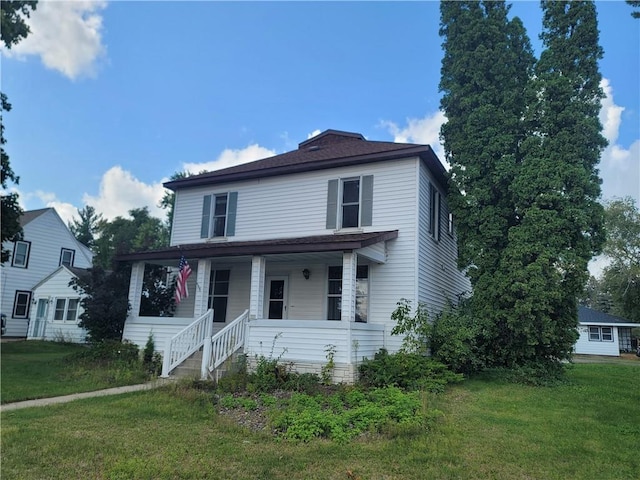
point(41, 318)
point(276, 296)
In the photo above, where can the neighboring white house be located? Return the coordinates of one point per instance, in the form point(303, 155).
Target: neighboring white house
point(47, 244)
point(317, 245)
point(602, 334)
point(57, 308)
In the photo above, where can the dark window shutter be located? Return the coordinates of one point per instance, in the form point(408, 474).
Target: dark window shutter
point(366, 215)
point(231, 214)
point(332, 204)
point(206, 216)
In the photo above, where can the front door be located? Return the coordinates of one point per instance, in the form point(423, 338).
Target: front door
point(276, 304)
point(41, 318)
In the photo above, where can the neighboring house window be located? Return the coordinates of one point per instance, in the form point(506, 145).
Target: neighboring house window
point(450, 229)
point(334, 306)
point(600, 334)
point(66, 309)
point(66, 257)
point(219, 294)
point(434, 212)
point(350, 202)
point(21, 304)
point(20, 257)
point(219, 215)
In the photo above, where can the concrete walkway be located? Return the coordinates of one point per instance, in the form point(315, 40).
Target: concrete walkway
point(41, 402)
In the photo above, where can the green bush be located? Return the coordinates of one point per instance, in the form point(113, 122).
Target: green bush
point(409, 371)
point(348, 413)
point(454, 339)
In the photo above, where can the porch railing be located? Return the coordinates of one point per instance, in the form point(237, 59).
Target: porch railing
point(224, 344)
point(187, 341)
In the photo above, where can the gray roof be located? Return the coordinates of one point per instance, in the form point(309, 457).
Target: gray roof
point(589, 315)
point(30, 215)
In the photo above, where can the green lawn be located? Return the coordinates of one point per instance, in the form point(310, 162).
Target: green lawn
point(37, 369)
point(587, 429)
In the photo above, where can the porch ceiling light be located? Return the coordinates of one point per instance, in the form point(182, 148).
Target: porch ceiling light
point(306, 273)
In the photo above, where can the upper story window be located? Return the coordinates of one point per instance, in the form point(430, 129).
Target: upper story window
point(20, 257)
point(66, 309)
point(66, 257)
point(350, 202)
point(219, 215)
point(434, 212)
point(21, 304)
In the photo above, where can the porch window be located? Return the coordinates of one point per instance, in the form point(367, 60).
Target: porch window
point(219, 294)
point(21, 304)
point(66, 310)
point(219, 215)
point(20, 257)
point(334, 306)
point(66, 257)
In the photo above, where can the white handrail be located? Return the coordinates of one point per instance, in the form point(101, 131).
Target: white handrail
point(187, 341)
point(224, 344)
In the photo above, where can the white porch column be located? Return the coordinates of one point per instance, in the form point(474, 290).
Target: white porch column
point(202, 288)
point(135, 287)
point(349, 264)
point(256, 302)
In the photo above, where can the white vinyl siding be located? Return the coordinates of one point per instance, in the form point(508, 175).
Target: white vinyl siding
point(55, 291)
point(438, 274)
point(598, 340)
point(47, 235)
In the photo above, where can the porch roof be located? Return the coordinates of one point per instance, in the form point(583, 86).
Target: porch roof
point(317, 243)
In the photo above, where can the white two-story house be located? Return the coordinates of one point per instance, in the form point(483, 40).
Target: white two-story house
point(305, 251)
point(47, 244)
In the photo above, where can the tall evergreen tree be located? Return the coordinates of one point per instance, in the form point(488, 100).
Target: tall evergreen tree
point(87, 226)
point(557, 189)
point(486, 69)
point(523, 145)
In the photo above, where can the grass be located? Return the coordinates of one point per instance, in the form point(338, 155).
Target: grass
point(38, 369)
point(586, 429)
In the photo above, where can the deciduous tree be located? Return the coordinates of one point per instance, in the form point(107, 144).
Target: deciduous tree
point(88, 225)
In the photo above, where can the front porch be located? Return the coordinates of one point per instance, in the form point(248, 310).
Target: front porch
point(293, 306)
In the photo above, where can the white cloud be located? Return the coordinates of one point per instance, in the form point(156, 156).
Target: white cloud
point(67, 36)
point(314, 133)
point(420, 130)
point(230, 157)
point(120, 192)
point(619, 166)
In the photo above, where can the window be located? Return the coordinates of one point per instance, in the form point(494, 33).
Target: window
point(66, 309)
point(20, 257)
point(219, 294)
point(66, 257)
point(434, 212)
point(600, 334)
point(450, 229)
point(334, 305)
point(350, 202)
point(21, 304)
point(219, 215)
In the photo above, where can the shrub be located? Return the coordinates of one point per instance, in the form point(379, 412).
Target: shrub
point(151, 360)
point(416, 329)
point(454, 339)
point(410, 371)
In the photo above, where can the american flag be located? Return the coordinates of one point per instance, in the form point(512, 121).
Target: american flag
point(181, 281)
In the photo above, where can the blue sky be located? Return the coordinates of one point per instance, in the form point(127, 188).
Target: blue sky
point(110, 98)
